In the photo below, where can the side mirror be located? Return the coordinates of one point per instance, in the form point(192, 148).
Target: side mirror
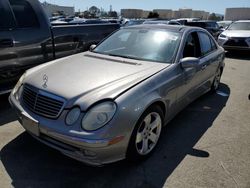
point(92, 47)
point(189, 62)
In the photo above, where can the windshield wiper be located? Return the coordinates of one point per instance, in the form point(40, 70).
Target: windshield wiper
point(125, 56)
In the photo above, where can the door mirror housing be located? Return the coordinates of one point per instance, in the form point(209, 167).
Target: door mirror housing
point(189, 62)
point(92, 47)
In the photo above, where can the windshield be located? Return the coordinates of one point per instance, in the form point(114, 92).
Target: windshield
point(141, 44)
point(224, 24)
point(239, 26)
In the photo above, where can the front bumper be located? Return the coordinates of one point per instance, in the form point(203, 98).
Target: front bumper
point(95, 152)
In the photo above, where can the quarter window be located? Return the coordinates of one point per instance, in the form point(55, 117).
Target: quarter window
point(205, 43)
point(24, 14)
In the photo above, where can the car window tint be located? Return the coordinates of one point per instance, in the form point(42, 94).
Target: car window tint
point(192, 48)
point(6, 18)
point(214, 47)
point(212, 24)
point(205, 43)
point(24, 14)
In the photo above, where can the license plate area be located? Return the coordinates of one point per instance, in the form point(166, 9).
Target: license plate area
point(30, 125)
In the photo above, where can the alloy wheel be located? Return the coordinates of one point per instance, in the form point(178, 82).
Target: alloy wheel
point(148, 133)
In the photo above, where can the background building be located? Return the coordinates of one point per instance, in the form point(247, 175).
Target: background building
point(185, 13)
point(145, 13)
point(132, 13)
point(164, 13)
point(237, 14)
point(200, 14)
point(181, 13)
point(51, 9)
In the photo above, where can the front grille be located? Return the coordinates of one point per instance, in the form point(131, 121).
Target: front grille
point(42, 103)
point(236, 42)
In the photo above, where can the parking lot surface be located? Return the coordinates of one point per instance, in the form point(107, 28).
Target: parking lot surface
point(206, 145)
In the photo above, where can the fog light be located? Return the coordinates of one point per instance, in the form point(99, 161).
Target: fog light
point(72, 116)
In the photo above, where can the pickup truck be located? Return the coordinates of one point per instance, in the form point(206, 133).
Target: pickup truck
point(28, 39)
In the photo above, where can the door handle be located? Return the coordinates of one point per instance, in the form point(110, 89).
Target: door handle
point(203, 67)
point(4, 43)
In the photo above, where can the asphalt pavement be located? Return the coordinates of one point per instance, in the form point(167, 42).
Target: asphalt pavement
point(206, 145)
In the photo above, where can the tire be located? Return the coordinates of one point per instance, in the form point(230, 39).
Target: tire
point(147, 129)
point(216, 82)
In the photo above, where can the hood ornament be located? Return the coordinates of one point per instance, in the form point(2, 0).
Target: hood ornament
point(45, 80)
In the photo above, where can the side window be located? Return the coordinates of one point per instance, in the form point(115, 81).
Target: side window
point(205, 43)
point(192, 48)
point(24, 14)
point(6, 18)
point(214, 47)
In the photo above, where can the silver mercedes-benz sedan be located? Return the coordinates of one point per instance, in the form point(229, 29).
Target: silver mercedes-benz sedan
point(236, 37)
point(111, 102)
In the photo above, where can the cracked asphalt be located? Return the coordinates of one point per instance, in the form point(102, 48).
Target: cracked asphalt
point(206, 145)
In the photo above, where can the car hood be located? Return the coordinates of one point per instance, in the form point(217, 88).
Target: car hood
point(237, 33)
point(86, 78)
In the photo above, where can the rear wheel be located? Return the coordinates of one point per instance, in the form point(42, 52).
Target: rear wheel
point(216, 81)
point(146, 134)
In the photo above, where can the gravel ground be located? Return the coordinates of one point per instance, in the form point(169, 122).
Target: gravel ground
point(206, 145)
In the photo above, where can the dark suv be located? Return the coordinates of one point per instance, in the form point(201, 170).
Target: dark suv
point(211, 26)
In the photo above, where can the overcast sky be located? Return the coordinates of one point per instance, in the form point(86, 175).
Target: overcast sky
point(217, 6)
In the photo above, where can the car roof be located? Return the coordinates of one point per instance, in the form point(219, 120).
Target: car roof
point(174, 28)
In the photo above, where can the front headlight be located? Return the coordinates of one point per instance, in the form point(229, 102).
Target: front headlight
point(72, 116)
point(99, 116)
point(17, 86)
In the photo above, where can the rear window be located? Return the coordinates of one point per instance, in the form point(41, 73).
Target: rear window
point(196, 24)
point(24, 14)
point(212, 24)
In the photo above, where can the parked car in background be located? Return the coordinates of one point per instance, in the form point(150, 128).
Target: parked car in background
point(133, 22)
point(54, 18)
point(211, 26)
point(183, 21)
point(117, 21)
point(89, 21)
point(236, 37)
point(27, 39)
point(224, 24)
point(167, 22)
point(111, 103)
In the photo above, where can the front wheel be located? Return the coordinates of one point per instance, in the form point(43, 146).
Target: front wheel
point(146, 134)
